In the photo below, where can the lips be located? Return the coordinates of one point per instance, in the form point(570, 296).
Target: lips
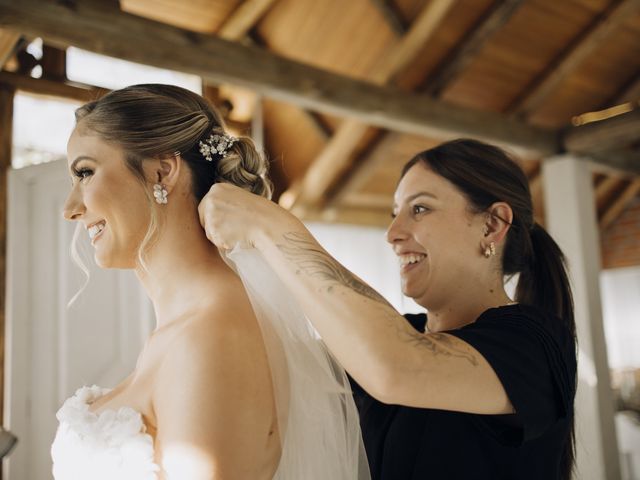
point(409, 261)
point(95, 230)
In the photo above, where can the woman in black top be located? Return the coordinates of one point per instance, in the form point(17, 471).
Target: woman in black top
point(483, 388)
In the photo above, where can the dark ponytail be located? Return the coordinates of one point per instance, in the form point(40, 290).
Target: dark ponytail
point(485, 174)
point(544, 282)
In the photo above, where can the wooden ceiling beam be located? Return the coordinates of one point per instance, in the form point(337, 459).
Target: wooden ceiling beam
point(42, 86)
point(338, 152)
point(618, 163)
point(457, 61)
point(244, 18)
point(8, 41)
point(617, 207)
point(118, 34)
point(392, 16)
point(574, 55)
point(54, 63)
point(611, 133)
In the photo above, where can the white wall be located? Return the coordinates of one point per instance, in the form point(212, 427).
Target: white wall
point(621, 309)
point(365, 252)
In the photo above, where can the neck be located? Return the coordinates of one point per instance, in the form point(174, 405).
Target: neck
point(455, 313)
point(183, 269)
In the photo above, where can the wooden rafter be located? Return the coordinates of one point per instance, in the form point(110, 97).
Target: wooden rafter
point(573, 56)
point(392, 16)
point(491, 22)
point(606, 187)
point(621, 202)
point(614, 132)
point(335, 157)
point(8, 42)
point(114, 33)
point(41, 86)
point(54, 63)
point(244, 18)
point(455, 63)
point(616, 162)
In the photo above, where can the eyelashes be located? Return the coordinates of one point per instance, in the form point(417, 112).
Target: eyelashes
point(415, 210)
point(83, 173)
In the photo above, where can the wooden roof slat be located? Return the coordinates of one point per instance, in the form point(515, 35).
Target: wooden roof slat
point(605, 187)
point(492, 21)
point(392, 16)
point(332, 160)
point(145, 41)
point(497, 15)
point(8, 42)
point(573, 56)
point(244, 18)
point(618, 206)
point(629, 92)
point(413, 42)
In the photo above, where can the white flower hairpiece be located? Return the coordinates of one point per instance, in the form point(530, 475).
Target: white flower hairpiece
point(216, 144)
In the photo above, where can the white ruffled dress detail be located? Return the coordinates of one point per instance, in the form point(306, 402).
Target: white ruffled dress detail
point(109, 445)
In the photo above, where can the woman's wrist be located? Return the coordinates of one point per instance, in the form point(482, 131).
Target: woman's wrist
point(273, 234)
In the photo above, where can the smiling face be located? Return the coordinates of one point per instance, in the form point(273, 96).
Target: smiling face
point(107, 198)
point(436, 237)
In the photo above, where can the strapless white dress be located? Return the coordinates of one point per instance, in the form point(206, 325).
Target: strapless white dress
point(109, 445)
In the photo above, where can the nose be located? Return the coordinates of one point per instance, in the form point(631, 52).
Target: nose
point(73, 206)
point(396, 231)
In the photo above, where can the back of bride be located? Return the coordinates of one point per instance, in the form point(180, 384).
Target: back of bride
point(233, 383)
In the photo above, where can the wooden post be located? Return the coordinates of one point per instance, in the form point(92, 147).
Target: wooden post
point(571, 220)
point(6, 139)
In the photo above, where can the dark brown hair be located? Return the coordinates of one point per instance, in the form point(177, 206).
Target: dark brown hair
point(486, 174)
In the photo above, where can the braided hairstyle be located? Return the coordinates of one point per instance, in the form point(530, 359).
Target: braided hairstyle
point(151, 121)
point(154, 120)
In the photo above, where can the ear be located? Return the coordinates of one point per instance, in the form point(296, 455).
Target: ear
point(166, 170)
point(498, 222)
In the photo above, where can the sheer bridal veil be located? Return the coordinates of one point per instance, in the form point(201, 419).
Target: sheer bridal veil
point(318, 420)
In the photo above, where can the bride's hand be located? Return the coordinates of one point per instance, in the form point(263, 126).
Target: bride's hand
point(232, 216)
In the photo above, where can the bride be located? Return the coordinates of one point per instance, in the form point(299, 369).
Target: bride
point(229, 385)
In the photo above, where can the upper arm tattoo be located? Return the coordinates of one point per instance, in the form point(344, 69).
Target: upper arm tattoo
point(441, 344)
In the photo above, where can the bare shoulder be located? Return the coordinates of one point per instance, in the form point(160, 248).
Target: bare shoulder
point(220, 335)
point(213, 393)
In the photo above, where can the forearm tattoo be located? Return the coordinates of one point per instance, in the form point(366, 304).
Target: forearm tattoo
point(315, 262)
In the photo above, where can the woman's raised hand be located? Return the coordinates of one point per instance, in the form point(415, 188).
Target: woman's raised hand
point(232, 216)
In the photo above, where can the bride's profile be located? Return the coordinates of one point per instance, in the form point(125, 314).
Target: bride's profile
point(231, 384)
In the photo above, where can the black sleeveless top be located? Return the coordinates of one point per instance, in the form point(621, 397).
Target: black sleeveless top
point(534, 356)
